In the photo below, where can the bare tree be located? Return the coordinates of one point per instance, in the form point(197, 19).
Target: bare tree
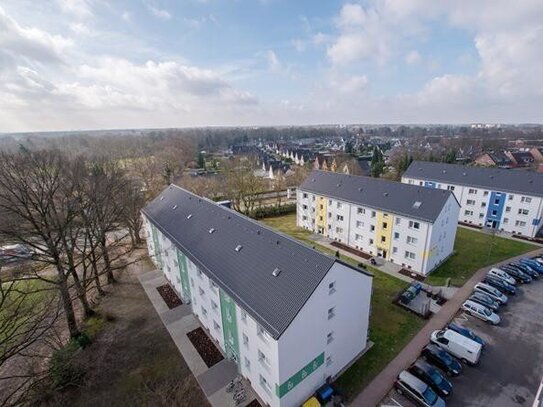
point(243, 186)
point(133, 201)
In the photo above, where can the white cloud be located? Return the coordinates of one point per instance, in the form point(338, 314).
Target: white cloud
point(413, 58)
point(126, 16)
point(273, 62)
point(76, 8)
point(162, 14)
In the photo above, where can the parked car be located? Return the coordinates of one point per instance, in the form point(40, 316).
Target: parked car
point(15, 252)
point(527, 269)
point(431, 376)
point(496, 272)
point(481, 312)
point(441, 359)
point(517, 274)
point(533, 264)
point(501, 285)
point(465, 349)
point(485, 300)
point(492, 292)
point(417, 390)
point(539, 259)
point(468, 333)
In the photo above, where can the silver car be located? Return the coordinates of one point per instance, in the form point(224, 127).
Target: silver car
point(492, 292)
point(480, 311)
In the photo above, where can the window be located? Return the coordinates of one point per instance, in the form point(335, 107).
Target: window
point(483, 204)
point(201, 291)
point(261, 332)
point(371, 241)
point(511, 197)
point(396, 235)
point(329, 215)
point(357, 236)
point(322, 207)
point(523, 211)
point(331, 312)
point(328, 360)
point(450, 187)
point(414, 225)
point(394, 250)
point(507, 209)
point(262, 357)
point(494, 212)
point(520, 223)
point(313, 198)
point(372, 228)
point(321, 218)
point(339, 217)
point(481, 215)
point(383, 239)
point(472, 191)
point(339, 230)
point(485, 193)
point(204, 312)
point(330, 337)
point(505, 220)
point(468, 213)
point(214, 305)
point(243, 316)
point(245, 340)
point(470, 202)
point(361, 211)
point(385, 225)
point(412, 240)
point(213, 286)
point(247, 364)
point(216, 326)
point(304, 217)
point(304, 195)
point(398, 221)
point(304, 207)
point(264, 383)
point(332, 288)
point(409, 255)
point(339, 205)
point(373, 214)
point(526, 199)
point(359, 224)
point(200, 274)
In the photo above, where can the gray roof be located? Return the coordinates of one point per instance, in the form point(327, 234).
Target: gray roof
point(245, 275)
point(388, 196)
point(494, 179)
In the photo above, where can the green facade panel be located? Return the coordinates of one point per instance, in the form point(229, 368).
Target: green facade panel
point(299, 376)
point(156, 244)
point(229, 326)
point(184, 274)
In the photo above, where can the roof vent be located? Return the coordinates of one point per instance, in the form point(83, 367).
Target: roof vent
point(312, 179)
point(464, 174)
point(338, 185)
point(258, 232)
point(161, 198)
point(417, 204)
point(360, 189)
point(491, 176)
point(276, 272)
point(211, 230)
point(444, 171)
point(238, 248)
point(189, 216)
point(385, 194)
point(174, 207)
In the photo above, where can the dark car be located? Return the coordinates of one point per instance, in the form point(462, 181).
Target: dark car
point(431, 376)
point(533, 264)
point(527, 269)
point(468, 333)
point(517, 274)
point(500, 285)
point(441, 359)
point(485, 300)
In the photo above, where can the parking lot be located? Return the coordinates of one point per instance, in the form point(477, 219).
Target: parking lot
point(511, 366)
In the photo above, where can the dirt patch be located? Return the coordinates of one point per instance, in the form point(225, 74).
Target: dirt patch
point(412, 274)
point(169, 296)
point(470, 225)
point(349, 249)
point(133, 360)
point(205, 347)
point(254, 403)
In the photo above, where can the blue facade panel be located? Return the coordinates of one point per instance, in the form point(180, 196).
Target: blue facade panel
point(494, 213)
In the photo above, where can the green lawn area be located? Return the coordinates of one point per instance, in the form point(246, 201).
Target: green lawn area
point(391, 328)
point(473, 250)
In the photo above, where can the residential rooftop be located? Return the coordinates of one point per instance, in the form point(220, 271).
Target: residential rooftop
point(494, 179)
point(394, 197)
point(270, 275)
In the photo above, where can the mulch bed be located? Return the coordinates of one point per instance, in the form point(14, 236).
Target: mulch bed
point(351, 250)
point(205, 347)
point(412, 274)
point(470, 225)
point(169, 296)
point(529, 239)
point(254, 403)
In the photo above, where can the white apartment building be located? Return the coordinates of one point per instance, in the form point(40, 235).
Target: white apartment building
point(408, 225)
point(289, 316)
point(506, 200)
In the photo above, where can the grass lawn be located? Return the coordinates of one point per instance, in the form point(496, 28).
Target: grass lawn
point(473, 250)
point(391, 328)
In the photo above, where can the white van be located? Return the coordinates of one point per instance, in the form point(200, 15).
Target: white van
point(457, 345)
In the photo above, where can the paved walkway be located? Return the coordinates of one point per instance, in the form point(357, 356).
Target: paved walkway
point(179, 321)
point(382, 383)
point(498, 233)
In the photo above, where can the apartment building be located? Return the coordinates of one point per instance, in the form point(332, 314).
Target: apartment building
point(506, 200)
point(289, 316)
point(408, 225)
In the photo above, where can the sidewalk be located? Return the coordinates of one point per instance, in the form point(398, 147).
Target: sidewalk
point(179, 321)
point(378, 388)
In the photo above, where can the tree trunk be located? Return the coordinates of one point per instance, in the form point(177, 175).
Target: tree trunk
point(107, 261)
point(97, 283)
point(137, 236)
point(82, 295)
point(67, 305)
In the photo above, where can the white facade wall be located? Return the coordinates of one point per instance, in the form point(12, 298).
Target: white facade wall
point(300, 343)
point(475, 201)
point(415, 244)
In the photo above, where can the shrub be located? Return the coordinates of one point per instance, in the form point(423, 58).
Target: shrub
point(62, 369)
point(271, 211)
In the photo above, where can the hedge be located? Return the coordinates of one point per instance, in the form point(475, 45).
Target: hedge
point(271, 211)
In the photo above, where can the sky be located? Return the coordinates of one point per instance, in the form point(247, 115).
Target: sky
point(95, 64)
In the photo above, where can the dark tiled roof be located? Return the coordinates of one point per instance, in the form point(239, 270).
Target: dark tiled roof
point(246, 275)
point(494, 179)
point(389, 196)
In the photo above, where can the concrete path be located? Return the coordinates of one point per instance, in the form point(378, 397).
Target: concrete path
point(179, 321)
point(382, 383)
